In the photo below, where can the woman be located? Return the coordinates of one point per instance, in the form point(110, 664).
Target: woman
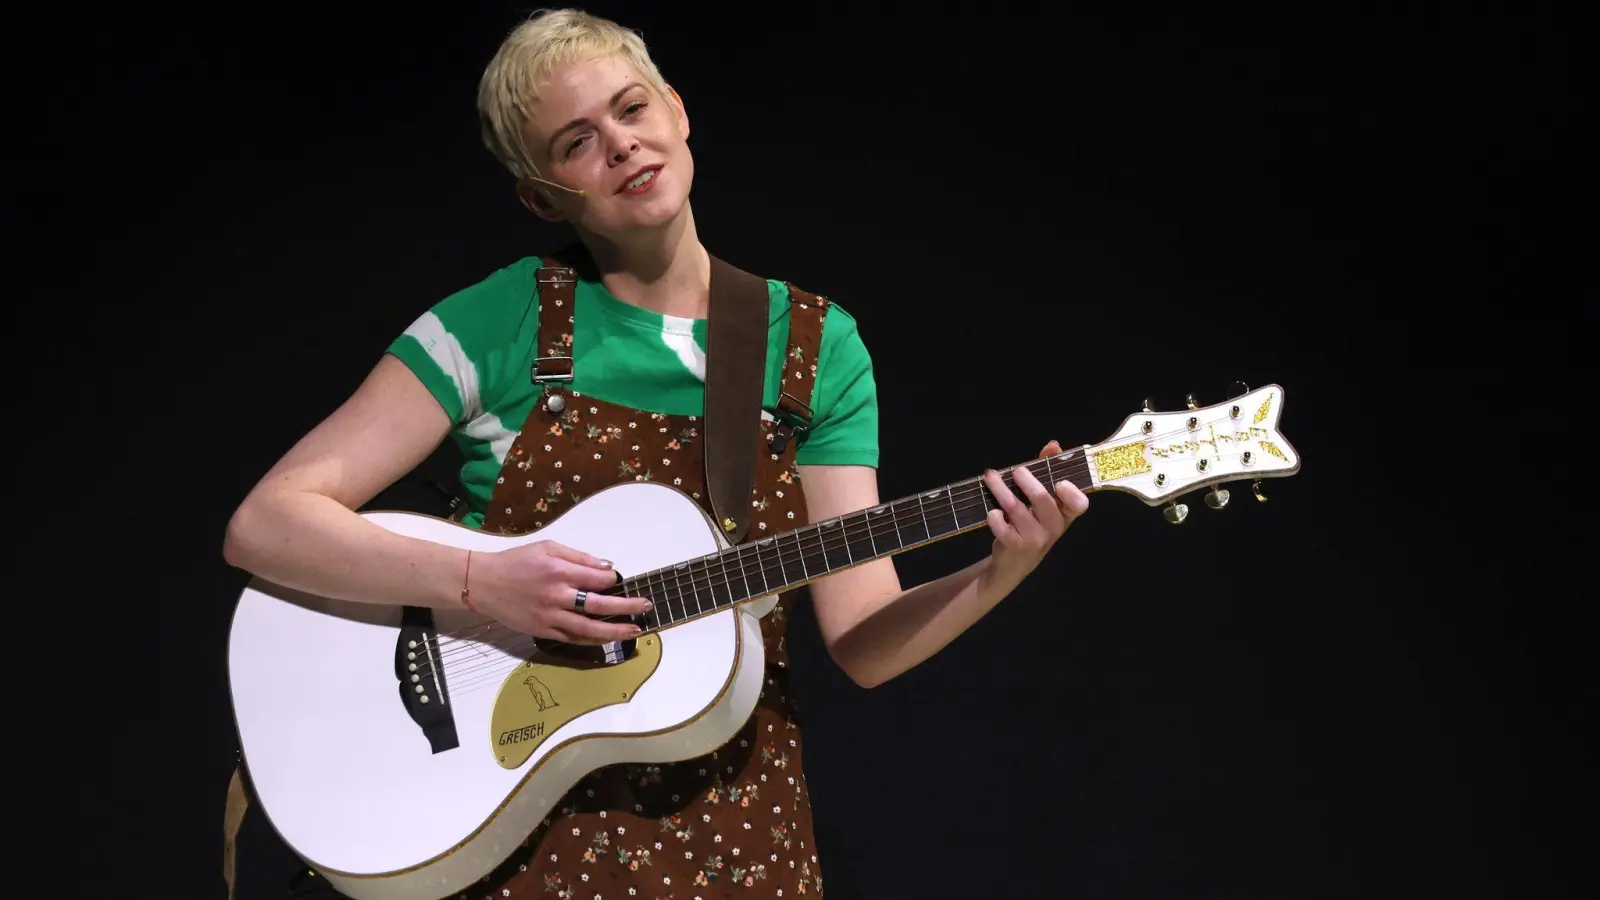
point(574, 107)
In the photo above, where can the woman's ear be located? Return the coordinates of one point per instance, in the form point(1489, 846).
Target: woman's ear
point(538, 201)
point(681, 112)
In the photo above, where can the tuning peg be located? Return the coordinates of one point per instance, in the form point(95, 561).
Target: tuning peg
point(1189, 399)
point(1149, 404)
point(1238, 389)
point(1216, 498)
point(1176, 512)
point(1255, 487)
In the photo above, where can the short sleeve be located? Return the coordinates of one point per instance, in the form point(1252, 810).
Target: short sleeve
point(844, 401)
point(463, 348)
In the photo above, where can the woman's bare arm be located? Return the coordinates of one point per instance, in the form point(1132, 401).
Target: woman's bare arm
point(297, 527)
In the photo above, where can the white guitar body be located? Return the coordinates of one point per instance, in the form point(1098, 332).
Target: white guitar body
point(347, 779)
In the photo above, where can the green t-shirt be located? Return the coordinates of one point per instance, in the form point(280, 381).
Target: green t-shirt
point(474, 350)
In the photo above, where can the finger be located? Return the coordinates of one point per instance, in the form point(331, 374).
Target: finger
point(1022, 519)
point(1051, 449)
point(584, 630)
point(1074, 502)
point(586, 577)
point(605, 605)
point(1003, 532)
point(1013, 514)
point(1043, 506)
point(572, 555)
point(557, 633)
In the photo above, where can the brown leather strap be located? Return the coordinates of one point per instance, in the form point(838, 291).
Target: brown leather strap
point(736, 362)
point(552, 365)
point(807, 312)
point(232, 818)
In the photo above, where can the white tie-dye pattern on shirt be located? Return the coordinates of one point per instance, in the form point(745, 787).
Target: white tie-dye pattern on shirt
point(678, 335)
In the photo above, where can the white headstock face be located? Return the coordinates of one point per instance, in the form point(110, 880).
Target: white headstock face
point(1160, 455)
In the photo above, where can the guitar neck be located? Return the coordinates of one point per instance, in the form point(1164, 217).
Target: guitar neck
point(793, 558)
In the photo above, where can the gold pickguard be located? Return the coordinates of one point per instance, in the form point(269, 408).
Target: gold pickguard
point(540, 696)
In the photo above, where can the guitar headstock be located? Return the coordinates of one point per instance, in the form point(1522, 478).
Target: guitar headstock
point(1158, 456)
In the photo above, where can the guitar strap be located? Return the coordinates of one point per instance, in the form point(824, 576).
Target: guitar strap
point(232, 818)
point(736, 360)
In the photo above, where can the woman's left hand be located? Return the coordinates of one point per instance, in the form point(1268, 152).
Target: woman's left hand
point(1025, 532)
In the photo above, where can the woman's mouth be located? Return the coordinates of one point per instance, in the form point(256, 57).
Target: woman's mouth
point(642, 181)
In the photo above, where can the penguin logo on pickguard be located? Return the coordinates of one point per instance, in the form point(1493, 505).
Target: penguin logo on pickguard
point(541, 693)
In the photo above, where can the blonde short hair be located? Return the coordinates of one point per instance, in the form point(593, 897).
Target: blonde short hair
point(511, 82)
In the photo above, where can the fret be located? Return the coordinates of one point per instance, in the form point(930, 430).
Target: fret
point(939, 522)
point(687, 589)
point(699, 580)
point(794, 562)
point(656, 586)
point(640, 587)
point(655, 617)
point(1078, 471)
point(731, 568)
point(672, 598)
point(913, 531)
point(762, 563)
point(860, 541)
point(833, 544)
point(744, 587)
point(675, 584)
point(719, 584)
point(969, 510)
point(761, 566)
point(812, 555)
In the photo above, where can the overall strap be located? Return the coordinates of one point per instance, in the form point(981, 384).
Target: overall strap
point(807, 311)
point(232, 818)
point(736, 362)
point(552, 366)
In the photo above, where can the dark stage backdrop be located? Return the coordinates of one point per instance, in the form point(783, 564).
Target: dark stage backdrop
point(1366, 687)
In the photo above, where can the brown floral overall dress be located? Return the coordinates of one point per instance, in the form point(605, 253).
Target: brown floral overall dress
point(735, 823)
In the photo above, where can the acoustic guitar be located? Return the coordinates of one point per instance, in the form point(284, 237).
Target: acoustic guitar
point(403, 753)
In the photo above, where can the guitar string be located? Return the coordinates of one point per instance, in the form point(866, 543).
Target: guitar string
point(752, 551)
point(778, 555)
point(962, 501)
point(709, 577)
point(458, 671)
point(491, 669)
point(463, 679)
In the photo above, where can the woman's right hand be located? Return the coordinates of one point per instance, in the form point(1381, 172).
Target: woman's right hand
point(534, 589)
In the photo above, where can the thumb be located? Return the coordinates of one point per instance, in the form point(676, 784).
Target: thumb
point(562, 551)
point(1051, 449)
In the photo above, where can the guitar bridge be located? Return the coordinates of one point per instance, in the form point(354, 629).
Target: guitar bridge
point(420, 671)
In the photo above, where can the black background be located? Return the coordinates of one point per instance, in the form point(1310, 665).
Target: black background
point(1369, 686)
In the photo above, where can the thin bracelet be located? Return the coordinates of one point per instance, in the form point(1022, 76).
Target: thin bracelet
point(466, 589)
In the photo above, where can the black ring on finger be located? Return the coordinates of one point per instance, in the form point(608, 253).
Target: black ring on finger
point(583, 597)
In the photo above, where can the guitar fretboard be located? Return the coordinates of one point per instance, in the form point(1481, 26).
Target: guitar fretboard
point(768, 565)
